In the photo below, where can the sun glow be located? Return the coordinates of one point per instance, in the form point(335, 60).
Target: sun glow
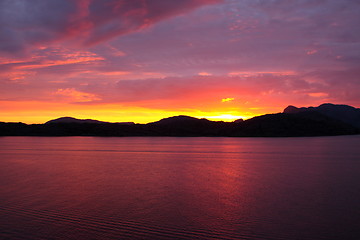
point(227, 99)
point(28, 112)
point(224, 117)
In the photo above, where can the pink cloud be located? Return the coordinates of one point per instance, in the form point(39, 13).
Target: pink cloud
point(197, 87)
point(73, 95)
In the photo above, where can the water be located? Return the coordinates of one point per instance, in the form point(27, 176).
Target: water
point(179, 188)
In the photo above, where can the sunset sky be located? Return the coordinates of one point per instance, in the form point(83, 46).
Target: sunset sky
point(143, 60)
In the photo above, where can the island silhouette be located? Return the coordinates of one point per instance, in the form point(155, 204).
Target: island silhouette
point(325, 120)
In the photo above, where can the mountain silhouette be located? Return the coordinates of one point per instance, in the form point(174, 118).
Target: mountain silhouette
point(324, 120)
point(181, 119)
point(75, 120)
point(344, 113)
point(295, 124)
point(185, 126)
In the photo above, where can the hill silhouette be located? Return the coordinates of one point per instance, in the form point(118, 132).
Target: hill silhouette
point(324, 120)
point(75, 120)
point(185, 126)
point(344, 113)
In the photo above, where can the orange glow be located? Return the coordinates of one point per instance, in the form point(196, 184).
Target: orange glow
point(204, 74)
point(18, 76)
point(318, 94)
point(115, 73)
point(77, 96)
point(40, 112)
point(225, 117)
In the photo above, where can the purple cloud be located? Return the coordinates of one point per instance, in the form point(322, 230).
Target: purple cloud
point(27, 23)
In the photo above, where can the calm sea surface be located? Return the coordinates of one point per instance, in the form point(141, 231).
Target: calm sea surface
point(179, 188)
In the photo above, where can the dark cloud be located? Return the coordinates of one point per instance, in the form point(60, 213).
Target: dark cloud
point(27, 23)
point(113, 17)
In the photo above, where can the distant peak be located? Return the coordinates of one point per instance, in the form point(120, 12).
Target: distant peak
point(65, 119)
point(72, 120)
point(181, 117)
point(291, 109)
point(177, 119)
point(240, 120)
point(327, 104)
point(330, 105)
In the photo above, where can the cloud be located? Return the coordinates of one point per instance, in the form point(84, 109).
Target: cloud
point(76, 96)
point(204, 74)
point(318, 94)
point(257, 90)
point(200, 88)
point(27, 23)
point(227, 99)
point(263, 92)
point(248, 36)
point(24, 24)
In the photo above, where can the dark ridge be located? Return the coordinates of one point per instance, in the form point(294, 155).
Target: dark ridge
point(73, 120)
point(240, 120)
point(288, 125)
point(185, 126)
point(66, 120)
point(182, 119)
point(344, 113)
point(324, 120)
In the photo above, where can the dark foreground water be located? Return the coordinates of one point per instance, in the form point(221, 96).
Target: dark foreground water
point(179, 188)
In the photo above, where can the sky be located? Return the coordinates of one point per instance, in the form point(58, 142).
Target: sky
point(143, 60)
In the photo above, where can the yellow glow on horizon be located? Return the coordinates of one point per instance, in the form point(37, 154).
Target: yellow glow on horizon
point(225, 117)
point(31, 112)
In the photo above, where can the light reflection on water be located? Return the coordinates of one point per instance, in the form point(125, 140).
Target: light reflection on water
point(184, 188)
